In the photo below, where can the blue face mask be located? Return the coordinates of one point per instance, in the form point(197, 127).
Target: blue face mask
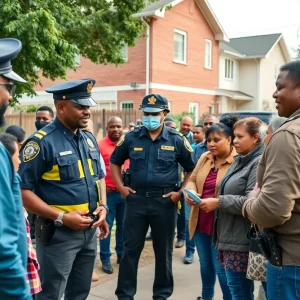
point(151, 122)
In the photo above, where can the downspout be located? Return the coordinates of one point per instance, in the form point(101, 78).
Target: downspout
point(147, 55)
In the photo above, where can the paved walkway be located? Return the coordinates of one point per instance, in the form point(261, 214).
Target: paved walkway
point(186, 278)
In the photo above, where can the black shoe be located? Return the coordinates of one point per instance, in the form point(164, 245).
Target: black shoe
point(179, 243)
point(107, 268)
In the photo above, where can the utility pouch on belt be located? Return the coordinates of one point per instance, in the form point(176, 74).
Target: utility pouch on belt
point(126, 177)
point(44, 230)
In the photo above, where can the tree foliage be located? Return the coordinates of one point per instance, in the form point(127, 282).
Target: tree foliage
point(53, 32)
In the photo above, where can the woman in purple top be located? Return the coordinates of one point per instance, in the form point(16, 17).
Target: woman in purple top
point(205, 181)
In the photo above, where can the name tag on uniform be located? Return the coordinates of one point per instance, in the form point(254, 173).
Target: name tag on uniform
point(138, 149)
point(65, 153)
point(170, 148)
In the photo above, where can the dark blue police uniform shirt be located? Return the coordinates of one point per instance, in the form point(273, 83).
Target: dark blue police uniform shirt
point(62, 168)
point(154, 164)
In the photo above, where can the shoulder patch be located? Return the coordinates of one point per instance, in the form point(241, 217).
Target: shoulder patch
point(31, 151)
point(121, 141)
point(187, 145)
point(90, 143)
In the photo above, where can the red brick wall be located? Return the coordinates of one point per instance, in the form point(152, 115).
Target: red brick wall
point(110, 75)
point(187, 17)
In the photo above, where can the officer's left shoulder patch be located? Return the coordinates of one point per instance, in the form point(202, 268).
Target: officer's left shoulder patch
point(121, 141)
point(31, 151)
point(187, 145)
point(90, 143)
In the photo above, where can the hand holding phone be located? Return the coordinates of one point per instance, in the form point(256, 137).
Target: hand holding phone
point(193, 196)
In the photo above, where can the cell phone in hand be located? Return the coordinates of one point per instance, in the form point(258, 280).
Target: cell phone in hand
point(193, 196)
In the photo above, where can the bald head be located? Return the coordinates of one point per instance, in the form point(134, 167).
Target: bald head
point(114, 119)
point(114, 129)
point(209, 121)
point(186, 125)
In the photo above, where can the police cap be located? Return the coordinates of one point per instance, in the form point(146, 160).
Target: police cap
point(9, 49)
point(154, 103)
point(77, 91)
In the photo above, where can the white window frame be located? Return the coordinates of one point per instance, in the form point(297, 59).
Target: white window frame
point(184, 34)
point(208, 56)
point(229, 69)
point(194, 106)
point(126, 102)
point(77, 60)
point(124, 52)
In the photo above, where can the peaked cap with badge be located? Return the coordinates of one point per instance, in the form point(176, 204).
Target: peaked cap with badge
point(77, 91)
point(154, 103)
point(9, 50)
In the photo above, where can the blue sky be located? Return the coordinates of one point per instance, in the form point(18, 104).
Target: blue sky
point(248, 17)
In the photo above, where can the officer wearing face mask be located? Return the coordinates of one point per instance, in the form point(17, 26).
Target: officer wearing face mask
point(44, 116)
point(154, 151)
point(13, 243)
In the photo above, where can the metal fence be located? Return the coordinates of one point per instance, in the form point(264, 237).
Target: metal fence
point(99, 118)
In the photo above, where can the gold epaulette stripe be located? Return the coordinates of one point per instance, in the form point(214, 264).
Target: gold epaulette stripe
point(42, 132)
point(39, 136)
point(70, 208)
point(91, 166)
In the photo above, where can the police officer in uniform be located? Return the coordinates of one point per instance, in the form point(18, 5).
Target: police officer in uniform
point(154, 152)
point(13, 243)
point(63, 183)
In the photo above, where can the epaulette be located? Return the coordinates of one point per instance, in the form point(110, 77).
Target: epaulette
point(40, 134)
point(174, 131)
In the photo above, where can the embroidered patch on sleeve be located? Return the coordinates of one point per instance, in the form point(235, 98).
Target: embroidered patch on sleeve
point(121, 141)
point(31, 151)
point(187, 145)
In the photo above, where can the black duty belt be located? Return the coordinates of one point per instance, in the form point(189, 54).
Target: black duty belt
point(155, 192)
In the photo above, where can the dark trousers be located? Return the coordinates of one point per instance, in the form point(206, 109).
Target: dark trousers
point(116, 205)
point(160, 214)
point(181, 222)
point(66, 264)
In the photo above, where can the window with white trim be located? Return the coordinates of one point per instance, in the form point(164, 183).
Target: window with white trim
point(208, 54)
point(229, 66)
point(124, 52)
point(194, 109)
point(126, 105)
point(180, 42)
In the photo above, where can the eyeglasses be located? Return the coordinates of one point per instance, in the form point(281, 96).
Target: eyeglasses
point(208, 123)
point(11, 88)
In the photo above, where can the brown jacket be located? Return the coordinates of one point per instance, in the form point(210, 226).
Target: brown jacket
point(197, 179)
point(278, 175)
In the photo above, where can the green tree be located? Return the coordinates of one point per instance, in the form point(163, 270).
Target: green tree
point(53, 32)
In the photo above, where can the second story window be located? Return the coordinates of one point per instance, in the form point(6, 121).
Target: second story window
point(126, 105)
point(229, 66)
point(208, 54)
point(180, 46)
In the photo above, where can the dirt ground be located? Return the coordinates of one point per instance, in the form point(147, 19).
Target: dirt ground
point(146, 259)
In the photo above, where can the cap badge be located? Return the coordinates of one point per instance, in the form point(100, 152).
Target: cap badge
point(152, 100)
point(89, 87)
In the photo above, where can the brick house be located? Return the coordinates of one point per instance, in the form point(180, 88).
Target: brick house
point(178, 58)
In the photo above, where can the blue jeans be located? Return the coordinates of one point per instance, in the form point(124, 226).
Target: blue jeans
point(116, 205)
point(181, 223)
point(240, 286)
point(283, 282)
point(210, 267)
point(190, 244)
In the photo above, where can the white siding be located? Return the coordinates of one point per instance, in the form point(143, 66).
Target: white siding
point(269, 66)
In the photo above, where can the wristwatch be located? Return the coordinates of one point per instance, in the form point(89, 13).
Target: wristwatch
point(59, 222)
point(106, 207)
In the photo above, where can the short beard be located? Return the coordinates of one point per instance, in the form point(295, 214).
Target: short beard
point(3, 108)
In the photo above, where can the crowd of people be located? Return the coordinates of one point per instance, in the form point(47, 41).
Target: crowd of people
point(62, 189)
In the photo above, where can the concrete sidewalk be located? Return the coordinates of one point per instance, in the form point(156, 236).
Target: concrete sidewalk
point(187, 283)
